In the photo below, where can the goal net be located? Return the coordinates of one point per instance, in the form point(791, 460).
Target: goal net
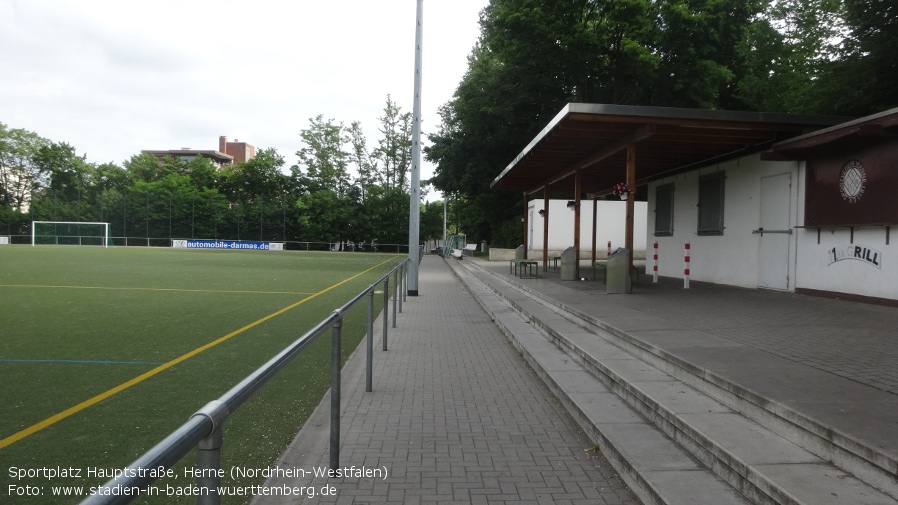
point(69, 233)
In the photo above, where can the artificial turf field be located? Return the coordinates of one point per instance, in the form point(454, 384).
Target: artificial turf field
point(78, 322)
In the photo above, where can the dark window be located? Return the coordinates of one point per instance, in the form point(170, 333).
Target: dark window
point(664, 210)
point(710, 204)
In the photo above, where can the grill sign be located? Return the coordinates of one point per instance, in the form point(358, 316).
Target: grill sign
point(855, 252)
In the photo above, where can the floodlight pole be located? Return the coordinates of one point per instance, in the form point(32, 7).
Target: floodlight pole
point(415, 184)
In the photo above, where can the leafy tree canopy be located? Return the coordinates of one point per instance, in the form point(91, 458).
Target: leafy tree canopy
point(533, 56)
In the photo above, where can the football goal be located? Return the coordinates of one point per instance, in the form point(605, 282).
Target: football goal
point(69, 233)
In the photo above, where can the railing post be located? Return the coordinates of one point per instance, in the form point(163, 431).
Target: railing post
point(370, 358)
point(402, 285)
point(208, 459)
point(208, 454)
point(386, 309)
point(335, 392)
point(396, 293)
point(405, 279)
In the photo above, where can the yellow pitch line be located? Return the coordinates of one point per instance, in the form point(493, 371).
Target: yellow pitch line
point(34, 428)
point(154, 289)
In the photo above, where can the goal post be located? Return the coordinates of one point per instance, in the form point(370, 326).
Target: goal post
point(69, 233)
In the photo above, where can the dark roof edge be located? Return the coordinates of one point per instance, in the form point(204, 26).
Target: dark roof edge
point(671, 113)
point(176, 152)
point(831, 129)
point(708, 114)
point(545, 131)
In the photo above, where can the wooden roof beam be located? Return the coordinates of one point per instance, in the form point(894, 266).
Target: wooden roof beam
point(643, 132)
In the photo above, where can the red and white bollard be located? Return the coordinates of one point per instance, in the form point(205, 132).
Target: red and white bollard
point(686, 268)
point(609, 248)
point(655, 265)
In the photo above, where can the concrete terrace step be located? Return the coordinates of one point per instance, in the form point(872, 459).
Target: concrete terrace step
point(656, 468)
point(855, 432)
point(676, 434)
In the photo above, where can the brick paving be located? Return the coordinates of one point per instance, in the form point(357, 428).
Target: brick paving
point(457, 416)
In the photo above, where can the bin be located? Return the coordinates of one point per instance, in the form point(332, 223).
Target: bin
point(617, 276)
point(569, 264)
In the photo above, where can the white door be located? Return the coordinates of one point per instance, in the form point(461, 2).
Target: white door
point(775, 232)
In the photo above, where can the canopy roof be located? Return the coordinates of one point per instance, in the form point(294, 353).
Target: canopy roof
point(593, 138)
point(873, 127)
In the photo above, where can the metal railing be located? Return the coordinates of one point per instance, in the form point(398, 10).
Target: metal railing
point(204, 429)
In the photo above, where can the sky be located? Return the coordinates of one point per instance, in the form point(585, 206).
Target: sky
point(114, 77)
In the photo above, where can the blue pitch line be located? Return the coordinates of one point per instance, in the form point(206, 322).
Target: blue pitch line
point(79, 361)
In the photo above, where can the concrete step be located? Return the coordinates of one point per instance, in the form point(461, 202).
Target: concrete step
point(706, 421)
point(653, 465)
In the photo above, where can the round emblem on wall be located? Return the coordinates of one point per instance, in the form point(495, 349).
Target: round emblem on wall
point(852, 181)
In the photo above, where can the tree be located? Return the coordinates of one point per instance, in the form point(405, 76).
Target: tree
point(324, 215)
point(386, 211)
point(520, 73)
point(64, 177)
point(394, 150)
point(260, 176)
point(323, 157)
point(787, 53)
point(699, 42)
point(18, 173)
point(203, 172)
point(863, 80)
point(533, 57)
point(365, 166)
point(147, 168)
point(432, 220)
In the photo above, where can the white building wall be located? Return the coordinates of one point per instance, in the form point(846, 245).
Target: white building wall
point(733, 257)
point(859, 276)
point(611, 218)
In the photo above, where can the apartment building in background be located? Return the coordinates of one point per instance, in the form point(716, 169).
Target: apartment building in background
point(240, 151)
point(228, 153)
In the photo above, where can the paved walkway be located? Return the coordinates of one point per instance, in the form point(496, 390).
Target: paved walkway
point(832, 360)
point(456, 416)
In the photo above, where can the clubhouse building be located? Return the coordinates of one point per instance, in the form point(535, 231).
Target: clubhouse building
point(796, 203)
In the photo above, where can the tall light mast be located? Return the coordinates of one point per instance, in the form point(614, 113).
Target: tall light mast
point(414, 227)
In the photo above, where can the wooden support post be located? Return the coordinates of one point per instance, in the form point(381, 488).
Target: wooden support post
point(631, 199)
point(595, 228)
point(546, 229)
point(577, 191)
point(526, 224)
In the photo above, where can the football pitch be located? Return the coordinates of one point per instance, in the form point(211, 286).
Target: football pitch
point(103, 352)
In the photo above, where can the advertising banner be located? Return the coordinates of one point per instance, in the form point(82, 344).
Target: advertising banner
point(228, 244)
